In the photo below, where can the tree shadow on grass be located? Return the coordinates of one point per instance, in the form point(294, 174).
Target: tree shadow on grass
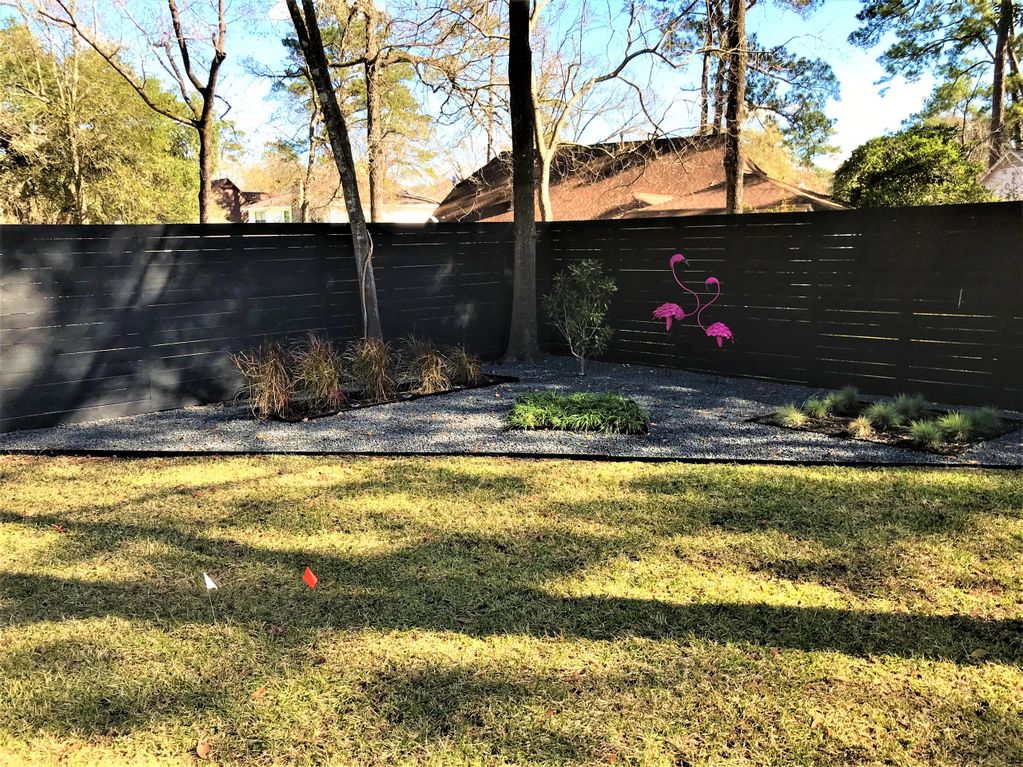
point(486, 586)
point(110, 697)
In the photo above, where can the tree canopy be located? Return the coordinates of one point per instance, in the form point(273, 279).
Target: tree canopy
point(77, 145)
point(922, 165)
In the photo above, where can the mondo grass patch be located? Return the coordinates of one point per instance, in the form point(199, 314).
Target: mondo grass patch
point(582, 411)
point(476, 611)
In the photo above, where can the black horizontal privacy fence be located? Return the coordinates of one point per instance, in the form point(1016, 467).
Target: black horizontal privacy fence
point(98, 321)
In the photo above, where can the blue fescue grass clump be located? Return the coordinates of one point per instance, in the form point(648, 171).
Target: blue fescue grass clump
point(583, 411)
point(845, 401)
point(791, 416)
point(911, 406)
point(985, 422)
point(818, 408)
point(883, 416)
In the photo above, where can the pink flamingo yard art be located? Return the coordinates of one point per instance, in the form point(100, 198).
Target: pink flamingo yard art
point(719, 331)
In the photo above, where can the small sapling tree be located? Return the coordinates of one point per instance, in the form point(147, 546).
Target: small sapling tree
point(577, 307)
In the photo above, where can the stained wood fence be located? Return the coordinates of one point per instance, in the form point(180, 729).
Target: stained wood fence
point(101, 321)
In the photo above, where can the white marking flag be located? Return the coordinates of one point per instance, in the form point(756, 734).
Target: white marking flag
point(210, 585)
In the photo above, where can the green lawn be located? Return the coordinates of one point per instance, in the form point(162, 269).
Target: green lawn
point(478, 612)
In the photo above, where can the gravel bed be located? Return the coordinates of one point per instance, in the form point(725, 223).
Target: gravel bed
point(695, 417)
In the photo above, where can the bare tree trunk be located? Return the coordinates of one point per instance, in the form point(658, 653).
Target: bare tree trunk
point(708, 42)
point(998, 84)
point(719, 72)
point(734, 113)
point(374, 130)
point(522, 337)
point(308, 33)
point(205, 131)
point(546, 208)
point(490, 109)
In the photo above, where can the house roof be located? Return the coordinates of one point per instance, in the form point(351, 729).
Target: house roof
point(269, 201)
point(634, 179)
point(1011, 157)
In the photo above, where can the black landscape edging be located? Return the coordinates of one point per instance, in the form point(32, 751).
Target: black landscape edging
point(579, 457)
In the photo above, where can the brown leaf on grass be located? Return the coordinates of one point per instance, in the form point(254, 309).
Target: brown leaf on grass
point(612, 758)
point(276, 631)
point(59, 528)
point(259, 693)
point(202, 749)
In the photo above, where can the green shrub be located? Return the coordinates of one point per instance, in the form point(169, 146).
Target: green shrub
point(926, 434)
point(608, 413)
point(465, 368)
point(577, 306)
point(818, 408)
point(422, 368)
point(318, 372)
point(955, 427)
point(790, 415)
point(861, 428)
point(883, 416)
point(911, 406)
point(269, 380)
point(845, 401)
point(985, 422)
point(369, 368)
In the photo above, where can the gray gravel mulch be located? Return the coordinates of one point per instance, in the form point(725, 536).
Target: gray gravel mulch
point(694, 417)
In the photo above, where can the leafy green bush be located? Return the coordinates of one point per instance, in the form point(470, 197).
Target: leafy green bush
point(911, 406)
point(955, 427)
point(269, 380)
point(861, 427)
point(818, 408)
point(369, 367)
point(883, 416)
point(586, 411)
point(465, 368)
point(845, 401)
point(319, 372)
point(926, 434)
point(422, 368)
point(791, 416)
point(985, 422)
point(577, 306)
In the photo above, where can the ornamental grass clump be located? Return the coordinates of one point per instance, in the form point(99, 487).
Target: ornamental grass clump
point(818, 408)
point(319, 372)
point(791, 416)
point(584, 411)
point(464, 368)
point(925, 434)
point(911, 406)
point(955, 427)
point(369, 368)
point(422, 368)
point(985, 422)
point(861, 428)
point(269, 379)
point(883, 416)
point(844, 402)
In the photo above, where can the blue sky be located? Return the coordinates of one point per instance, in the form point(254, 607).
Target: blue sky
point(865, 109)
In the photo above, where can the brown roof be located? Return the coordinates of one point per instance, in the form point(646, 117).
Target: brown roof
point(661, 177)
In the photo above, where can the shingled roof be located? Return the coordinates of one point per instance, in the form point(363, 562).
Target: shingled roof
point(633, 179)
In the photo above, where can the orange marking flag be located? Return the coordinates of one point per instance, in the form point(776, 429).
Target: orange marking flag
point(310, 579)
